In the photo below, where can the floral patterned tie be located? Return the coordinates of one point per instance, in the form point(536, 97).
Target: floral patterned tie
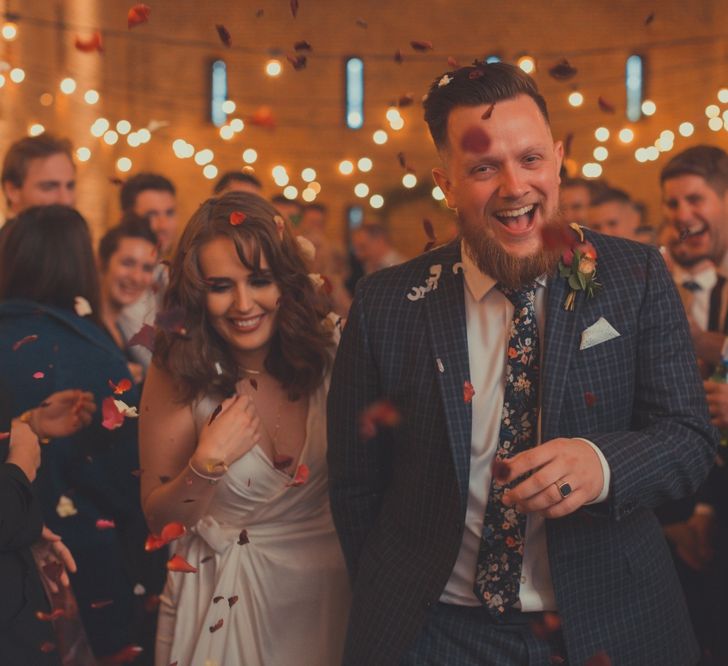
point(500, 558)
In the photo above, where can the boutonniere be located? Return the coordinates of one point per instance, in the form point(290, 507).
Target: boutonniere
point(578, 265)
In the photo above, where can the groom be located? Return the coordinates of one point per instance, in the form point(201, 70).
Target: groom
point(534, 438)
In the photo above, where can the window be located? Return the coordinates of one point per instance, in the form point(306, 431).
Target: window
point(354, 93)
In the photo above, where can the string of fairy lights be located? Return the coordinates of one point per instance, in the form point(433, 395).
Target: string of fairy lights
point(121, 132)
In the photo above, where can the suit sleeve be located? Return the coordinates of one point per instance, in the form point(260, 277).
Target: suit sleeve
point(671, 446)
point(20, 523)
point(356, 467)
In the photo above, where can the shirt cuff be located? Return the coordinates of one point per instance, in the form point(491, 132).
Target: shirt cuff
point(606, 472)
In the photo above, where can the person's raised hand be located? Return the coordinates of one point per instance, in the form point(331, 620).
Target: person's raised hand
point(717, 396)
point(53, 560)
point(62, 414)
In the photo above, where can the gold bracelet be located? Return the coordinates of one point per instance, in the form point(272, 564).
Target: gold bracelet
point(212, 480)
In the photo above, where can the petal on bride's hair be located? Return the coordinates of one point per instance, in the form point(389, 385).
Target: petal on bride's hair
point(237, 218)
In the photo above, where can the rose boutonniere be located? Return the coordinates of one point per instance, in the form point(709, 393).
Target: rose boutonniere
point(578, 265)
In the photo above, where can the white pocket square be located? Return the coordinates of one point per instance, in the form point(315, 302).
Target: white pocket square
point(599, 332)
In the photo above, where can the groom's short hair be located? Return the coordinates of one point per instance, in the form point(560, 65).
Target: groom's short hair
point(475, 85)
point(708, 162)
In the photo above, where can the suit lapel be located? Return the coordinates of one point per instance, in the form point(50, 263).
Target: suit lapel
point(445, 313)
point(560, 345)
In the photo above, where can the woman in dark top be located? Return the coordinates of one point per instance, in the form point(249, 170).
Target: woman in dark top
point(88, 483)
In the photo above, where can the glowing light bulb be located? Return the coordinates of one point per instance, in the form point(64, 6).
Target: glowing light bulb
point(250, 155)
point(17, 75)
point(364, 165)
point(649, 107)
point(601, 134)
point(397, 124)
point(237, 124)
point(686, 129)
point(123, 164)
point(409, 180)
point(308, 174)
point(227, 132)
point(527, 64)
point(576, 98)
point(716, 124)
point(600, 153)
point(361, 190)
point(110, 137)
point(437, 193)
point(68, 86)
point(273, 67)
point(144, 135)
point(91, 97)
point(308, 195)
point(626, 135)
point(723, 95)
point(392, 114)
point(9, 31)
point(35, 129)
point(380, 137)
point(133, 140)
point(712, 110)
point(83, 154)
point(290, 192)
point(123, 127)
point(228, 106)
point(210, 172)
point(346, 167)
point(376, 201)
point(592, 170)
point(204, 156)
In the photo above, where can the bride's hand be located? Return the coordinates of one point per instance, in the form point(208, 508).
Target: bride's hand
point(232, 430)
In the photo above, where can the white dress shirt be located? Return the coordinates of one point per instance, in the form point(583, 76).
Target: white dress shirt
point(698, 302)
point(488, 315)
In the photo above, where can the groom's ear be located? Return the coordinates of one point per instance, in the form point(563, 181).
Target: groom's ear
point(443, 182)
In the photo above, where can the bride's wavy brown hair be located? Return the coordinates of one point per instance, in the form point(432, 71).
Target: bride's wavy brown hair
point(199, 360)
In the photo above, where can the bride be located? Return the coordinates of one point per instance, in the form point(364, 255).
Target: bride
point(233, 448)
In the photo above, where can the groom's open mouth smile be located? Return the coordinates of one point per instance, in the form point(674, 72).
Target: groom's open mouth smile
point(517, 221)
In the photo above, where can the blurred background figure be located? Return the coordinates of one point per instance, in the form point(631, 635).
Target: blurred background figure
point(290, 208)
point(574, 199)
point(127, 259)
point(373, 248)
point(330, 260)
point(38, 171)
point(88, 483)
point(613, 213)
point(152, 196)
point(237, 181)
point(695, 195)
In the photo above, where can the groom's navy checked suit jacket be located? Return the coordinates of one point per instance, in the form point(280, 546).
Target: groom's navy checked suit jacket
point(399, 499)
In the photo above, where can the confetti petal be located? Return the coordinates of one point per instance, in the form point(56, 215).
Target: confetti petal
point(303, 45)
point(4, 435)
point(294, 8)
point(137, 15)
point(379, 414)
point(421, 45)
point(224, 34)
point(500, 470)
point(122, 387)
point(488, 112)
point(300, 477)
point(178, 563)
point(112, 418)
point(606, 106)
point(361, 23)
point(405, 100)
point(103, 603)
point(218, 598)
point(232, 601)
point(546, 626)
point(38, 375)
point(243, 538)
point(263, 117)
point(139, 590)
point(172, 321)
point(468, 392)
point(47, 646)
point(216, 626)
point(144, 337)
point(104, 524)
point(299, 62)
point(24, 341)
point(563, 71)
point(237, 218)
point(170, 532)
point(65, 507)
point(90, 45)
point(452, 62)
point(590, 399)
point(649, 18)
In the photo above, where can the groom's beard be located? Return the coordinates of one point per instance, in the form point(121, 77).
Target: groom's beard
point(514, 272)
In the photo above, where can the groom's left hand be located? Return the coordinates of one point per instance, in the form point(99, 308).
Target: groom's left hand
point(550, 465)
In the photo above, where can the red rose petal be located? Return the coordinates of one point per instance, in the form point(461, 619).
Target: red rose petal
point(144, 337)
point(224, 34)
point(237, 218)
point(606, 106)
point(122, 387)
point(294, 8)
point(406, 100)
point(488, 112)
point(112, 418)
point(421, 45)
point(475, 140)
point(263, 117)
point(381, 413)
point(47, 646)
point(170, 532)
point(93, 43)
point(232, 601)
point(4, 435)
point(24, 341)
point(216, 626)
point(172, 321)
point(452, 62)
point(303, 45)
point(38, 375)
point(500, 470)
point(546, 626)
point(563, 71)
point(243, 538)
point(104, 524)
point(300, 477)
point(590, 399)
point(178, 563)
point(137, 15)
point(101, 604)
point(468, 392)
point(219, 597)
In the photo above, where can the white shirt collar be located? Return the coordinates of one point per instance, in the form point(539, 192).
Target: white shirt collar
point(479, 283)
point(705, 278)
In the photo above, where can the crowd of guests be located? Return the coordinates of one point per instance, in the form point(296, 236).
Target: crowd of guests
point(237, 303)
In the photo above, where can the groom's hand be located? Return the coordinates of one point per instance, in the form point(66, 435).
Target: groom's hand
point(552, 464)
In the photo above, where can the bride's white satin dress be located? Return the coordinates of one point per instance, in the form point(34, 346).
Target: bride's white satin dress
point(282, 598)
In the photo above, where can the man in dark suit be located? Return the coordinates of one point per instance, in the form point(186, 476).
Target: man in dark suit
point(459, 532)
